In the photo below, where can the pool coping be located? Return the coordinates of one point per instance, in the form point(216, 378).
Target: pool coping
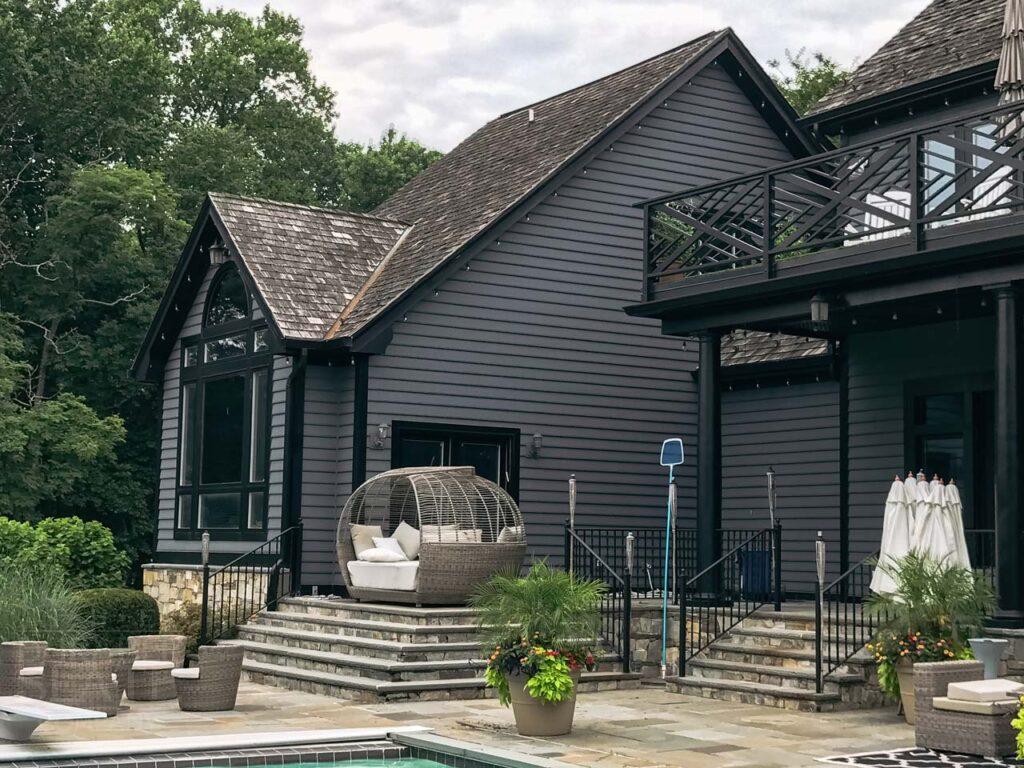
point(260, 749)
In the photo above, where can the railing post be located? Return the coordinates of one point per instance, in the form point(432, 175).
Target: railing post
point(819, 598)
point(203, 625)
point(627, 604)
point(296, 560)
point(777, 563)
point(916, 184)
point(767, 235)
point(681, 664)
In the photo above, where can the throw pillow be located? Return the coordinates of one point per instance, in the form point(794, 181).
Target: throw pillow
point(391, 545)
point(511, 534)
point(409, 539)
point(362, 536)
point(374, 555)
point(439, 533)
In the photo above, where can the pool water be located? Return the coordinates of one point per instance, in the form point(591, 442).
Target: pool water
point(394, 762)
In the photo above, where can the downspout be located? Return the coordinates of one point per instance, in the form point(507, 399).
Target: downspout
point(295, 400)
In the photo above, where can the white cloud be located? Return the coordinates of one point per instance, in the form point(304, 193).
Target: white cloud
point(439, 69)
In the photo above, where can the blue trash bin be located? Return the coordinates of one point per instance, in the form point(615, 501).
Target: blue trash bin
point(755, 574)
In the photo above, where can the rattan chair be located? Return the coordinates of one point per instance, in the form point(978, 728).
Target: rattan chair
point(155, 657)
point(989, 734)
point(81, 678)
point(469, 529)
point(213, 685)
point(121, 661)
point(15, 656)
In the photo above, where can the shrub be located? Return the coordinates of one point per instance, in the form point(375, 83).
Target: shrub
point(83, 551)
point(187, 621)
point(118, 613)
point(37, 604)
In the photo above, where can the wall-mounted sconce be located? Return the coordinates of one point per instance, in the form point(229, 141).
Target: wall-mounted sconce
point(820, 311)
point(218, 253)
point(380, 437)
point(536, 443)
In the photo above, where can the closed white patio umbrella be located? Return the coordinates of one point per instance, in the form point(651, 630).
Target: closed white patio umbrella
point(954, 511)
point(932, 535)
point(897, 527)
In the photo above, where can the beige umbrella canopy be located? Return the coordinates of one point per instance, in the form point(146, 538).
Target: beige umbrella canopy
point(1010, 75)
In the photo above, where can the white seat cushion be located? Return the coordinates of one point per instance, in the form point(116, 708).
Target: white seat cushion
point(398, 576)
point(992, 708)
point(145, 665)
point(984, 690)
point(186, 673)
point(31, 671)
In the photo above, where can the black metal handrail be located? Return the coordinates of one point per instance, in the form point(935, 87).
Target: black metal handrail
point(716, 599)
point(253, 581)
point(900, 186)
point(617, 603)
point(649, 553)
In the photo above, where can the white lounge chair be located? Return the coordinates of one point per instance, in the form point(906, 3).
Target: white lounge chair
point(20, 716)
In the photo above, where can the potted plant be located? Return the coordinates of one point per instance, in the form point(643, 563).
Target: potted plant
point(935, 608)
point(537, 631)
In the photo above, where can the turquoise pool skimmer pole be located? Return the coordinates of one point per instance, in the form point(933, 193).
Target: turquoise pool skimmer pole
point(671, 457)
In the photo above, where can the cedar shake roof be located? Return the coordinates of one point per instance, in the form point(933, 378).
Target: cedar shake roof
point(946, 37)
point(473, 186)
point(307, 262)
point(744, 347)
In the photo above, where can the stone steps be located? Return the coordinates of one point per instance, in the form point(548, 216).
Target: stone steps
point(375, 652)
point(769, 659)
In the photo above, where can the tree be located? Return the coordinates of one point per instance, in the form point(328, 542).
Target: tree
point(373, 173)
point(804, 79)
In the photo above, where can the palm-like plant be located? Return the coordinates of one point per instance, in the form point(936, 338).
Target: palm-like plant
point(546, 603)
point(934, 597)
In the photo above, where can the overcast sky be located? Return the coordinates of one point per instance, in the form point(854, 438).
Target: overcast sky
point(438, 69)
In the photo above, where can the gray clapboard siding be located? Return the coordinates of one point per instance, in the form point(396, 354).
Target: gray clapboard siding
point(533, 336)
point(795, 430)
point(166, 542)
point(881, 364)
point(326, 467)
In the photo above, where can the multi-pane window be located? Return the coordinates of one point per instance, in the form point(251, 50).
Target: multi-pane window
point(224, 434)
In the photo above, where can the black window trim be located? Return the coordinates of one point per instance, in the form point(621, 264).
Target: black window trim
point(198, 374)
point(448, 431)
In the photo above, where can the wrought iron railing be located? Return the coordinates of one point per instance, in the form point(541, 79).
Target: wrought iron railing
point(649, 553)
point(617, 604)
point(900, 186)
point(250, 583)
point(981, 547)
point(719, 597)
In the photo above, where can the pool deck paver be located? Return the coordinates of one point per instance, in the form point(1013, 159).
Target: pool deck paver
point(645, 728)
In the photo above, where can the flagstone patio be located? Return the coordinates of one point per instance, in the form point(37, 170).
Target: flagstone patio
point(635, 729)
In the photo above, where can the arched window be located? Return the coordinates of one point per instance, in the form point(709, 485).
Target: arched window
point(224, 429)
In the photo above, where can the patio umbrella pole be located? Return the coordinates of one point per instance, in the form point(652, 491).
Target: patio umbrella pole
point(669, 512)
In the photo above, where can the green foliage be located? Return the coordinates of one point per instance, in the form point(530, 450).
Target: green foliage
point(39, 605)
point(372, 173)
point(118, 116)
point(187, 621)
point(540, 626)
point(1018, 726)
point(936, 607)
point(82, 553)
point(804, 79)
point(117, 614)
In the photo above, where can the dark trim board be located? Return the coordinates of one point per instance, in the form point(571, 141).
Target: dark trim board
point(359, 420)
point(295, 406)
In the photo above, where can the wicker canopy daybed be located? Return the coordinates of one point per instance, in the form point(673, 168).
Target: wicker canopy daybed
point(447, 530)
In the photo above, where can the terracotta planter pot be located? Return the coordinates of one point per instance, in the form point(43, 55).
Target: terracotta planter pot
point(905, 673)
point(539, 718)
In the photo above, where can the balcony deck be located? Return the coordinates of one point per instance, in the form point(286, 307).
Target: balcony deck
point(931, 196)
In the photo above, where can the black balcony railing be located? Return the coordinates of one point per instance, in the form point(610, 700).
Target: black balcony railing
point(904, 187)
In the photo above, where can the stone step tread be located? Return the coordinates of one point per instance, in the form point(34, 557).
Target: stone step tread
point(365, 662)
point(774, 632)
point(345, 604)
point(798, 615)
point(378, 626)
point(800, 654)
point(767, 669)
point(778, 691)
point(395, 646)
point(384, 687)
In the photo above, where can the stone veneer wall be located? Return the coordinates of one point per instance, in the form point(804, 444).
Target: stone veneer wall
point(174, 586)
point(645, 630)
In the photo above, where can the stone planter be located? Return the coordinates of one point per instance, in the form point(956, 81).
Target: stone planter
point(539, 718)
point(905, 673)
point(989, 652)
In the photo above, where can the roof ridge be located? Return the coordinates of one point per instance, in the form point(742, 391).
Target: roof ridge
point(711, 34)
point(305, 207)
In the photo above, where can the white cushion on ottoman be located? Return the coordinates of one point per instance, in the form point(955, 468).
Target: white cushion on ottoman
point(984, 690)
point(31, 671)
point(145, 665)
point(399, 576)
point(186, 673)
point(993, 708)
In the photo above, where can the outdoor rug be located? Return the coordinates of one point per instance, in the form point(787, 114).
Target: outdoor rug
point(916, 757)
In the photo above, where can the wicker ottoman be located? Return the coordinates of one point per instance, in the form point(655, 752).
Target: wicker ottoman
point(151, 681)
